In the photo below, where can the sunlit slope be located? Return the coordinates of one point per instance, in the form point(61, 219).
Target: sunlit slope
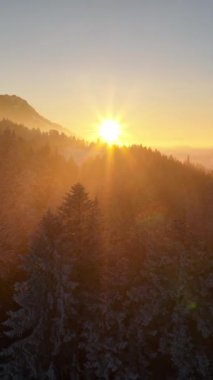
point(136, 185)
point(143, 185)
point(18, 110)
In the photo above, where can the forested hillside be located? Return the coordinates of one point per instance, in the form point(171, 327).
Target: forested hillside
point(106, 262)
point(18, 110)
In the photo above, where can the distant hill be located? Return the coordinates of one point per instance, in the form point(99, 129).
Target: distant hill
point(195, 155)
point(20, 111)
point(67, 145)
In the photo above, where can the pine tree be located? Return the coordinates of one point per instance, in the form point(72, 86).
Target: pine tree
point(81, 235)
point(37, 328)
point(59, 298)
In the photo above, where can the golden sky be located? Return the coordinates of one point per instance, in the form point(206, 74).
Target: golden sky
point(150, 63)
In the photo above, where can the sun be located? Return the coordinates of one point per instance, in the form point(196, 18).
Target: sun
point(110, 131)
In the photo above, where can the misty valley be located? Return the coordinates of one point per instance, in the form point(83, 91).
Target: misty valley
point(106, 190)
point(106, 260)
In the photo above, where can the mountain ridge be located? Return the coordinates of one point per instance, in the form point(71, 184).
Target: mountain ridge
point(18, 110)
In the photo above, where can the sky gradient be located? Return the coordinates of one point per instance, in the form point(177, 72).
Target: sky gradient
point(148, 62)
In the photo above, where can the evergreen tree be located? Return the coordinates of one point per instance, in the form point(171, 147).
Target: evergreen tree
point(81, 236)
point(37, 328)
point(132, 302)
point(60, 296)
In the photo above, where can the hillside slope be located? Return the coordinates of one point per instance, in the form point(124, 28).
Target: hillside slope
point(20, 111)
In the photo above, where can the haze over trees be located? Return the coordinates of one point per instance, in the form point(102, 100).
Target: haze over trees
point(106, 262)
point(18, 110)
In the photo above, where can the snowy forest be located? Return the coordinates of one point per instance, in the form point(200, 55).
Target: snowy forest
point(106, 261)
